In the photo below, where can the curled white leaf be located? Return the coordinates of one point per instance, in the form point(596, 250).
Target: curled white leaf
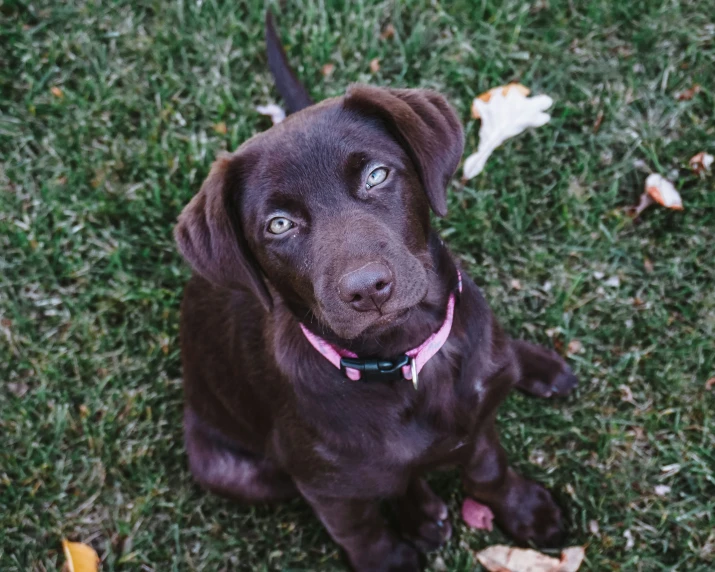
point(503, 89)
point(275, 112)
point(701, 162)
point(503, 116)
point(630, 541)
point(662, 191)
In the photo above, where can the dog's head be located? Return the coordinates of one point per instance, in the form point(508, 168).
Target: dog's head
point(331, 208)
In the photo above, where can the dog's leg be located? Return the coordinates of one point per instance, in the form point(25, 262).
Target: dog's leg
point(358, 527)
point(522, 508)
point(544, 373)
point(422, 516)
point(230, 472)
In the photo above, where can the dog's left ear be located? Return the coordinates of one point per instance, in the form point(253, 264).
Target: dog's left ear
point(424, 124)
point(209, 233)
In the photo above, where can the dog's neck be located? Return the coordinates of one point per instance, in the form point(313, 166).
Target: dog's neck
point(423, 320)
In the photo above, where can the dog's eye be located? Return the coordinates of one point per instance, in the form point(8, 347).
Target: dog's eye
point(376, 177)
point(279, 225)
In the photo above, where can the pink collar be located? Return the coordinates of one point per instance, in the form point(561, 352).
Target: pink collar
point(418, 356)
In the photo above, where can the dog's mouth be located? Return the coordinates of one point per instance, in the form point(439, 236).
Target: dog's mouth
point(387, 321)
point(383, 323)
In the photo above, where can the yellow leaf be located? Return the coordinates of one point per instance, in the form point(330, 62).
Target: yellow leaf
point(221, 128)
point(80, 557)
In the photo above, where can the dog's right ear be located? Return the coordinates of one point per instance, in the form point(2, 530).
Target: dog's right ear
point(209, 233)
point(424, 124)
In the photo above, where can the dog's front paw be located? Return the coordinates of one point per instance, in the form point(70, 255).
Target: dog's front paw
point(529, 514)
point(423, 518)
point(544, 373)
point(404, 559)
point(563, 384)
point(428, 531)
point(399, 557)
point(560, 385)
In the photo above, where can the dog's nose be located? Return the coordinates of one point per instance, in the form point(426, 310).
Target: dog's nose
point(366, 288)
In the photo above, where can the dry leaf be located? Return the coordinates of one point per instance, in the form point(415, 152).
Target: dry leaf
point(388, 32)
point(439, 565)
point(659, 190)
point(663, 192)
point(599, 120)
point(662, 490)
point(477, 515)
point(626, 394)
point(327, 70)
point(220, 128)
point(641, 165)
point(648, 265)
point(670, 470)
point(57, 92)
point(630, 541)
point(504, 89)
point(374, 65)
point(507, 113)
point(701, 162)
point(19, 389)
point(571, 559)
point(574, 347)
point(275, 112)
point(80, 557)
point(507, 559)
point(515, 284)
point(540, 5)
point(710, 383)
point(688, 94)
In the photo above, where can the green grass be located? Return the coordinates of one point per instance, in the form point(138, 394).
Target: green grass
point(90, 281)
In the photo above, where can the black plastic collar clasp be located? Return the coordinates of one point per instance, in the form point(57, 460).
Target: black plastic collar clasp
point(376, 369)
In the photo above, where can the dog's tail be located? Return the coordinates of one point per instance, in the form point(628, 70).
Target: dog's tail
point(293, 92)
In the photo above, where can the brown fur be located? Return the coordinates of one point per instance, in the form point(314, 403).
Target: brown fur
point(268, 417)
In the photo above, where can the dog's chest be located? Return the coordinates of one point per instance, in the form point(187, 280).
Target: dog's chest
point(381, 456)
point(407, 426)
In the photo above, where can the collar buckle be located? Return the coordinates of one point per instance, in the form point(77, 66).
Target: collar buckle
point(375, 369)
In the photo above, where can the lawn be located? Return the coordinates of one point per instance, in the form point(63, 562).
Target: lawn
point(110, 115)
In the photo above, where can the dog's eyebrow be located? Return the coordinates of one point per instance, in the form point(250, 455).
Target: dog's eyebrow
point(355, 162)
point(283, 202)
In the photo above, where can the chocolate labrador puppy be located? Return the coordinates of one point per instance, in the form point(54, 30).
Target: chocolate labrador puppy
point(331, 346)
